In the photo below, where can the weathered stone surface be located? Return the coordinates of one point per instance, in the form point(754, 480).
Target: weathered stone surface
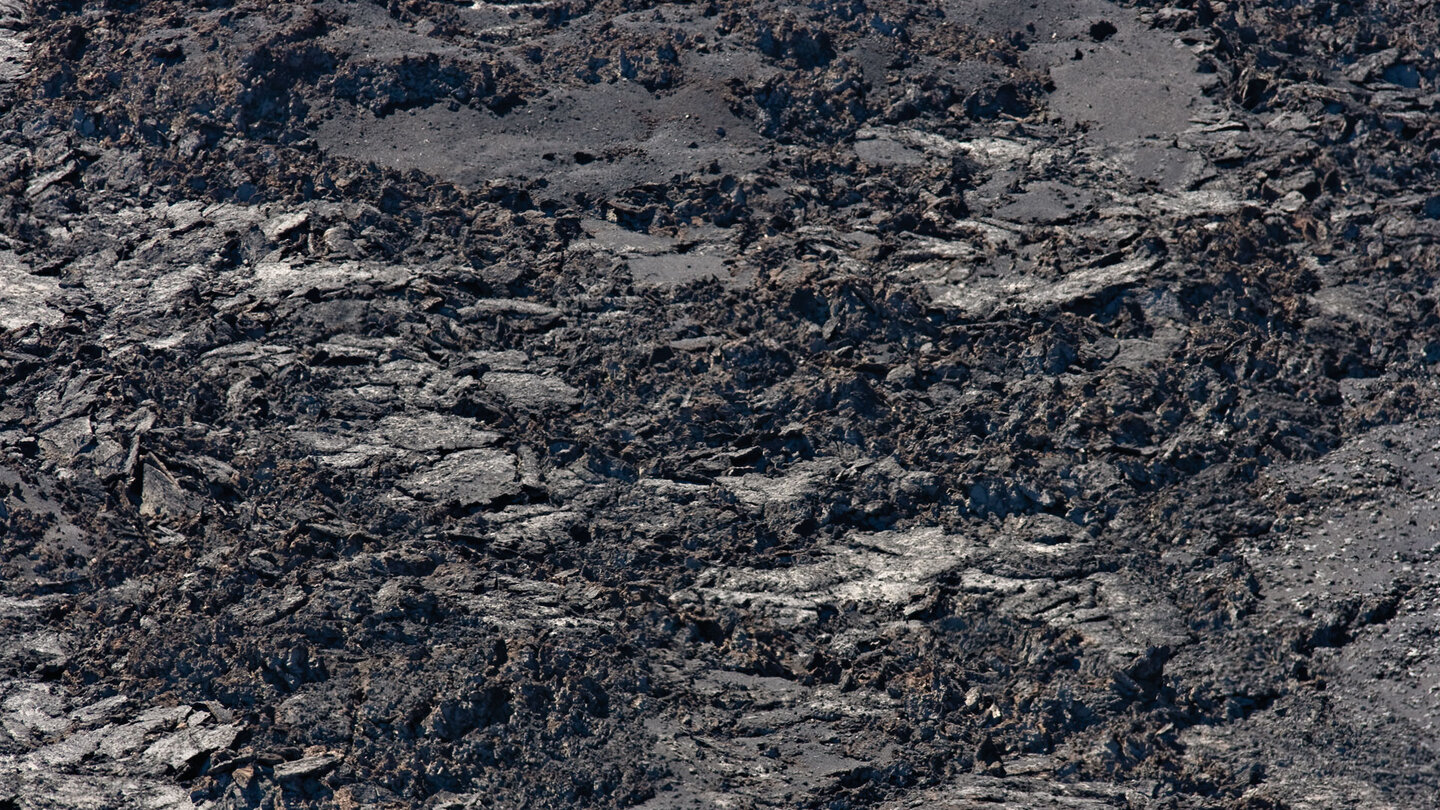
point(467, 477)
point(25, 298)
point(306, 767)
point(532, 392)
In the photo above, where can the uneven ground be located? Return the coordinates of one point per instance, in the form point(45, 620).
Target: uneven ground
point(600, 403)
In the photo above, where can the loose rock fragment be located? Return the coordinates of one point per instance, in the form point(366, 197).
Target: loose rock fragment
point(306, 767)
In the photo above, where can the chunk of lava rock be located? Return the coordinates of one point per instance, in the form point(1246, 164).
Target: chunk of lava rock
point(23, 297)
point(309, 766)
point(469, 478)
point(161, 494)
point(174, 751)
point(532, 392)
point(284, 225)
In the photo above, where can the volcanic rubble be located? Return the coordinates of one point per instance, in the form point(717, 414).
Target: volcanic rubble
point(603, 403)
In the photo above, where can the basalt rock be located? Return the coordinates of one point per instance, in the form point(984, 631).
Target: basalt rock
point(621, 404)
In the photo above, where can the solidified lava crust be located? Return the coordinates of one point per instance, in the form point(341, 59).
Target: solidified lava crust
point(603, 403)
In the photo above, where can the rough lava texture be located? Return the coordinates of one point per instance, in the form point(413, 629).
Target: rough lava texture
point(603, 403)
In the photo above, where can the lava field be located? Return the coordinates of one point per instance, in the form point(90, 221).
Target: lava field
point(888, 404)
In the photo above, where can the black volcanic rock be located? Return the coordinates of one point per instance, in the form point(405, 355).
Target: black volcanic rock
point(621, 404)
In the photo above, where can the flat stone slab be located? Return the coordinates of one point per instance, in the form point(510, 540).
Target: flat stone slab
point(24, 298)
point(469, 478)
point(532, 392)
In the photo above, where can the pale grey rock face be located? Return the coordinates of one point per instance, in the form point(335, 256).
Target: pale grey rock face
point(467, 477)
